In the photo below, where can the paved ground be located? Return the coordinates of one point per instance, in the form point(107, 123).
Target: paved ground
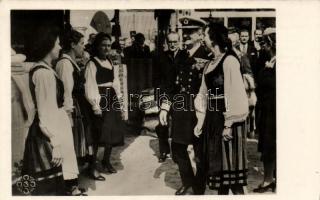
point(139, 172)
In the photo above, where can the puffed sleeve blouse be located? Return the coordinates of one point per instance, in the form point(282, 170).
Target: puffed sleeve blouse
point(236, 100)
point(91, 86)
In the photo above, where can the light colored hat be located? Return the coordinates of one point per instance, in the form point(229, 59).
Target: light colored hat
point(269, 31)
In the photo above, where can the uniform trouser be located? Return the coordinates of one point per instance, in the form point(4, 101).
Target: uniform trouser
point(163, 136)
point(181, 157)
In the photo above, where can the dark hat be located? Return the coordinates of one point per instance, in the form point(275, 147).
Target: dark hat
point(191, 23)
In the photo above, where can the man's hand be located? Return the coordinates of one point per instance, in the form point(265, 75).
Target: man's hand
point(98, 112)
point(197, 131)
point(163, 117)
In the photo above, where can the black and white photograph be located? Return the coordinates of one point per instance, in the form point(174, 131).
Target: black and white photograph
point(143, 102)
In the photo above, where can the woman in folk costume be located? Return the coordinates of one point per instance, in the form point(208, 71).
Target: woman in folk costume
point(266, 125)
point(222, 108)
point(49, 150)
point(102, 90)
point(70, 74)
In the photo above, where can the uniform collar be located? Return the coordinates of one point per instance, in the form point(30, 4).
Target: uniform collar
point(194, 49)
point(71, 60)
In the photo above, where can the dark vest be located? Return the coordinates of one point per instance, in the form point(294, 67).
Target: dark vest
point(78, 79)
point(215, 83)
point(59, 86)
point(103, 74)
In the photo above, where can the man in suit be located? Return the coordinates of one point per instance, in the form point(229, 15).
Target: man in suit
point(252, 50)
point(246, 47)
point(258, 61)
point(168, 62)
point(182, 89)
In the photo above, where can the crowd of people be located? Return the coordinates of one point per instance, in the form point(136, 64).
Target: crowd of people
point(75, 89)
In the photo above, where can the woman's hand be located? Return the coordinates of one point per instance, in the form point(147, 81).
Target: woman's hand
point(163, 117)
point(70, 118)
point(227, 134)
point(98, 112)
point(197, 131)
point(56, 156)
point(121, 99)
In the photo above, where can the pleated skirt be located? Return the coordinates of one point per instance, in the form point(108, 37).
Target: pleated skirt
point(225, 162)
point(78, 130)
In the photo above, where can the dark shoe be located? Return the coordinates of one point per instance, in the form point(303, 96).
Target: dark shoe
point(162, 157)
point(109, 168)
point(76, 191)
point(96, 176)
point(182, 190)
point(263, 189)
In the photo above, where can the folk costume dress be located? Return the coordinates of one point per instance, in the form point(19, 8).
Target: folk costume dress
point(70, 74)
point(50, 128)
point(102, 88)
point(222, 101)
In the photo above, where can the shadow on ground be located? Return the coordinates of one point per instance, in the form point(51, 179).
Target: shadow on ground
point(86, 182)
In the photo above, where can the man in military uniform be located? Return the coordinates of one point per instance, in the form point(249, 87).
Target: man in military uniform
point(181, 90)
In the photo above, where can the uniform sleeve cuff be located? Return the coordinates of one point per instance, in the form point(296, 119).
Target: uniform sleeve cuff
point(165, 105)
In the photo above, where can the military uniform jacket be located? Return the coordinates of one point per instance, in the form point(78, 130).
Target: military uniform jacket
point(181, 89)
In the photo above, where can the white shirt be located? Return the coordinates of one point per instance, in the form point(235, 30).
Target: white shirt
point(64, 69)
point(91, 87)
point(244, 48)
